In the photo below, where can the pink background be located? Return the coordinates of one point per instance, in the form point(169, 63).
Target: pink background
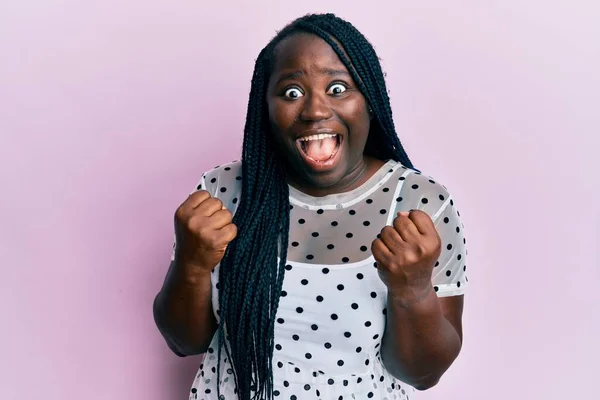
point(110, 111)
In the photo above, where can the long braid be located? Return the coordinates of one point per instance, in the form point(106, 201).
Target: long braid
point(252, 270)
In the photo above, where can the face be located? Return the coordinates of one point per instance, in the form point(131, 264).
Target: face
point(319, 118)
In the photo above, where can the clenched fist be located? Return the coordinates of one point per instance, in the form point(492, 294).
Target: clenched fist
point(203, 229)
point(406, 253)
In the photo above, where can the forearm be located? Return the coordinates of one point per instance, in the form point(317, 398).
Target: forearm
point(183, 310)
point(419, 343)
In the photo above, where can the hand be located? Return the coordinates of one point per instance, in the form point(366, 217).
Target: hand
point(203, 229)
point(405, 254)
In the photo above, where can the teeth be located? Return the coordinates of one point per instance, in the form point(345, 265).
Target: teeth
point(319, 136)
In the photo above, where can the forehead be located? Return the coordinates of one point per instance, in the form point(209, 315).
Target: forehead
point(306, 51)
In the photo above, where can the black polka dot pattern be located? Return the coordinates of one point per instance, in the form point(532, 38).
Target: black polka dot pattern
point(331, 314)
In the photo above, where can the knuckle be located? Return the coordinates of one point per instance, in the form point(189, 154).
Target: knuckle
point(421, 249)
point(392, 264)
point(199, 195)
point(420, 213)
point(227, 214)
point(387, 230)
point(411, 258)
point(201, 229)
point(179, 213)
point(212, 242)
point(376, 247)
point(400, 222)
point(213, 201)
point(195, 221)
point(208, 238)
point(375, 244)
point(204, 235)
point(434, 243)
point(201, 192)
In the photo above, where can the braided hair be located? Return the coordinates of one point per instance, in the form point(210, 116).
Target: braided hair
point(252, 270)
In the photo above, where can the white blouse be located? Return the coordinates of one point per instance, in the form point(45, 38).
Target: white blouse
point(331, 314)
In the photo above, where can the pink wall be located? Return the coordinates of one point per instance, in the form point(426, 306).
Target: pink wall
point(110, 111)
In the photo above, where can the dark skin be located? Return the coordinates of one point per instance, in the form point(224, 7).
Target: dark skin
point(183, 307)
point(310, 90)
point(327, 100)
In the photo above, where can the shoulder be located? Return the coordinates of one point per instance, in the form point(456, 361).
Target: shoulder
point(223, 174)
point(418, 190)
point(224, 182)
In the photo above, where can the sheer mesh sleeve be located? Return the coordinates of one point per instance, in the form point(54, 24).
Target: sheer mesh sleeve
point(449, 274)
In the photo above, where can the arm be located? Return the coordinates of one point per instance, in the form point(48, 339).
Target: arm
point(183, 310)
point(423, 262)
point(423, 337)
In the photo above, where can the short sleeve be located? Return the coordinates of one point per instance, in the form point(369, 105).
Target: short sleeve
point(424, 193)
point(222, 182)
point(449, 274)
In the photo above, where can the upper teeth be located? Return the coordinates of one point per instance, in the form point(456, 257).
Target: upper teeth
point(319, 136)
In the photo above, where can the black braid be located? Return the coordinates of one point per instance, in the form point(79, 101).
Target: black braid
point(251, 275)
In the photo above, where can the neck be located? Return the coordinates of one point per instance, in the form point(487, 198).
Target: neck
point(353, 179)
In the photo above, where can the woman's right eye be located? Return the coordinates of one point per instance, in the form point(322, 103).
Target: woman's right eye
point(293, 93)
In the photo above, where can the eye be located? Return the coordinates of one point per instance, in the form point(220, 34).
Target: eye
point(293, 93)
point(337, 88)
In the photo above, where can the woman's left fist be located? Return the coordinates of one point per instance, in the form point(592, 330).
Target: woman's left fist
point(406, 253)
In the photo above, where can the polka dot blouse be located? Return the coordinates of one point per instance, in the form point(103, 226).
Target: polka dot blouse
point(332, 311)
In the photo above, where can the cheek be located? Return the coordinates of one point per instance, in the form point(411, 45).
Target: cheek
point(357, 117)
point(282, 114)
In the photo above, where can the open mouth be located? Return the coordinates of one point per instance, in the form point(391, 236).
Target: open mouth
point(320, 149)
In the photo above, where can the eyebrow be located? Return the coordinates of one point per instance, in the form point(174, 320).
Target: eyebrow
point(323, 71)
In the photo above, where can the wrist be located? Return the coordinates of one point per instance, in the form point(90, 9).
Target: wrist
point(407, 297)
point(190, 273)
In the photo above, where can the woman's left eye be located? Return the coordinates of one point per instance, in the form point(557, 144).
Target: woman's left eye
point(337, 88)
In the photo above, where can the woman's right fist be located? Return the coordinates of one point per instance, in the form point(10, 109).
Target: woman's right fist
point(203, 229)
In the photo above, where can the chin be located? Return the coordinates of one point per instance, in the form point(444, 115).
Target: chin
point(322, 179)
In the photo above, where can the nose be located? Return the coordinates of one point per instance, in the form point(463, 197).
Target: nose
point(316, 108)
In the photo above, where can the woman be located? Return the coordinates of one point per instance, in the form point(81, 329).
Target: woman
point(323, 266)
